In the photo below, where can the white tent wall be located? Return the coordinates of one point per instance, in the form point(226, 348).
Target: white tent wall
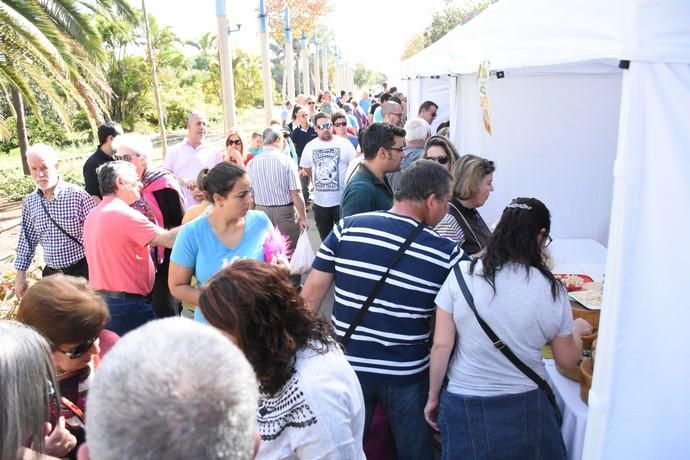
point(436, 89)
point(554, 138)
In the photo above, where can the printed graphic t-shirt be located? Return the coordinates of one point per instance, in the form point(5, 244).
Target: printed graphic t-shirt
point(328, 162)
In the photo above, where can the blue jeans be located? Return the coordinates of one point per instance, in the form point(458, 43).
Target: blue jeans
point(404, 407)
point(519, 426)
point(128, 314)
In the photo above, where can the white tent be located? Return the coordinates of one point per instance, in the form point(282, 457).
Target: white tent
point(597, 143)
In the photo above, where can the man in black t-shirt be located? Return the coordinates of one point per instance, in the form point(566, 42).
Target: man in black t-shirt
point(103, 154)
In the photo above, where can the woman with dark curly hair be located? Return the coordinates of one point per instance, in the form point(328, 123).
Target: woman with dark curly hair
point(310, 402)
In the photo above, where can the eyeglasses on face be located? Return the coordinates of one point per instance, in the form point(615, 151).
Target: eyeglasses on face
point(340, 124)
point(233, 142)
point(311, 102)
point(548, 241)
point(397, 114)
point(443, 159)
point(79, 350)
point(324, 126)
point(125, 157)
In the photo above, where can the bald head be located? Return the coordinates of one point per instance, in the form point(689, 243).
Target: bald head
point(392, 113)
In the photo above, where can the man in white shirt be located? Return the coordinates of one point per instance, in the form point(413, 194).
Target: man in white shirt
point(325, 159)
point(186, 159)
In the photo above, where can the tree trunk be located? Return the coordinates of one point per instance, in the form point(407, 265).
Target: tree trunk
point(22, 136)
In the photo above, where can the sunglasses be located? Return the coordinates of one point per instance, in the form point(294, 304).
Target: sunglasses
point(311, 102)
point(79, 350)
point(235, 142)
point(324, 126)
point(440, 160)
point(340, 125)
point(548, 242)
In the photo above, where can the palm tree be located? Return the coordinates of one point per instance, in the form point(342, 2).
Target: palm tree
point(52, 48)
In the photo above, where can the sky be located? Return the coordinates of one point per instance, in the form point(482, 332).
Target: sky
point(360, 30)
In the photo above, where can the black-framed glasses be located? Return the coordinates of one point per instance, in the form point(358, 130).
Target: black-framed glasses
point(548, 241)
point(233, 142)
point(324, 126)
point(79, 350)
point(340, 124)
point(311, 103)
point(123, 157)
point(443, 159)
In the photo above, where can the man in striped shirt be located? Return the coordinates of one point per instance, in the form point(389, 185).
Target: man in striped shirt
point(389, 349)
point(277, 188)
point(53, 216)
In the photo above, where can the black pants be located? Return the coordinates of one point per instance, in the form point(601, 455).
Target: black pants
point(325, 219)
point(162, 301)
point(80, 268)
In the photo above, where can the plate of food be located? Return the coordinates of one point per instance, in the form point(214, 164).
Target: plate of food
point(588, 299)
point(573, 282)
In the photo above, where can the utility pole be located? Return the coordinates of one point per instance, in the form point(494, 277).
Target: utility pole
point(226, 74)
point(266, 63)
point(289, 58)
point(154, 78)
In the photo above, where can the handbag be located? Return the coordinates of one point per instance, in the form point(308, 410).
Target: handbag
point(372, 295)
point(505, 349)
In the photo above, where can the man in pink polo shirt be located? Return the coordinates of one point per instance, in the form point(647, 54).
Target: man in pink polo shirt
point(117, 242)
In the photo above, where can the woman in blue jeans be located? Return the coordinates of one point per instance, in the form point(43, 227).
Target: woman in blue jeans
point(489, 408)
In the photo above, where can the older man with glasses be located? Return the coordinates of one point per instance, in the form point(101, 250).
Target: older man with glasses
point(325, 159)
point(393, 113)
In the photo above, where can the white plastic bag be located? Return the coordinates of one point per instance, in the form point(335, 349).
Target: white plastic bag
point(303, 257)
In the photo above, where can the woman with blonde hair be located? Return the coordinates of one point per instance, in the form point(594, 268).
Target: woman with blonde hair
point(234, 149)
point(442, 151)
point(472, 185)
point(72, 317)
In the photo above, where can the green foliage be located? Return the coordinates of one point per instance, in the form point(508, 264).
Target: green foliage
point(364, 77)
point(248, 80)
point(14, 186)
point(443, 21)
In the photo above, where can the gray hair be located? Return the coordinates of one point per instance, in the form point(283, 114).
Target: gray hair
point(110, 171)
point(26, 379)
point(190, 391)
point(389, 107)
point(417, 129)
point(422, 179)
point(271, 136)
point(347, 107)
point(137, 143)
point(196, 114)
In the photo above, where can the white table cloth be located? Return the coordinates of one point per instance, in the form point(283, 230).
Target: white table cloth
point(578, 256)
point(573, 409)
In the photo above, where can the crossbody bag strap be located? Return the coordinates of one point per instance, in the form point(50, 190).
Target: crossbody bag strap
point(45, 209)
point(504, 348)
point(372, 295)
point(455, 212)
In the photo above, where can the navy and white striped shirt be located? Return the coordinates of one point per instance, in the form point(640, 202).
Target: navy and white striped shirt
point(391, 344)
point(69, 207)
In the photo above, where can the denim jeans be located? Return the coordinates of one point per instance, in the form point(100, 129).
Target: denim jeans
point(519, 426)
point(128, 314)
point(404, 407)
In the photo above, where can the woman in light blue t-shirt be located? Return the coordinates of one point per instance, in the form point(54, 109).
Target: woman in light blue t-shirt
point(230, 231)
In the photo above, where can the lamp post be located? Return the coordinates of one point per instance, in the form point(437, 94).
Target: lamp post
point(317, 78)
point(305, 64)
point(226, 75)
point(324, 66)
point(265, 63)
point(289, 58)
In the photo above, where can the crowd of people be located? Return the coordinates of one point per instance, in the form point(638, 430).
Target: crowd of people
point(259, 373)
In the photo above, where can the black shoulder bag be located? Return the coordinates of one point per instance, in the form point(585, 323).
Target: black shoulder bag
point(503, 348)
point(45, 209)
point(372, 295)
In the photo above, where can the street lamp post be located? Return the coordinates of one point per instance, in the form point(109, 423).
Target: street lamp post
point(226, 74)
point(317, 78)
point(305, 64)
point(289, 58)
point(265, 63)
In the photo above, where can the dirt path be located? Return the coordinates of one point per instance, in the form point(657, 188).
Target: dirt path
point(10, 214)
